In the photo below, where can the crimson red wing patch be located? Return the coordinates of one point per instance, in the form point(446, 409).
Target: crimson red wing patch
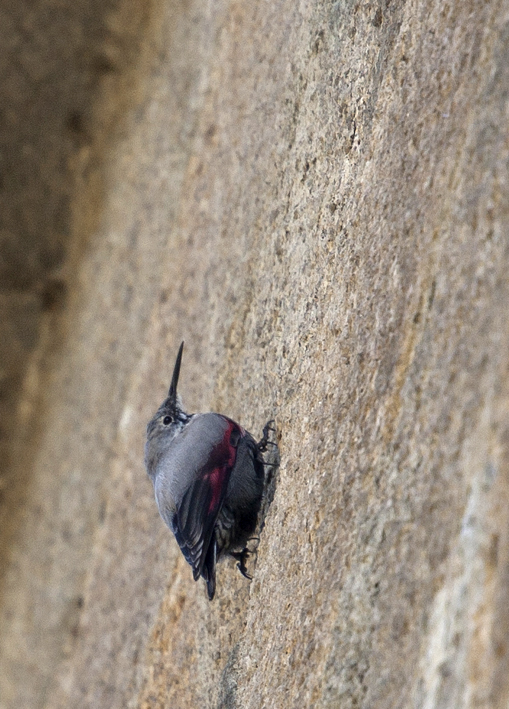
point(198, 510)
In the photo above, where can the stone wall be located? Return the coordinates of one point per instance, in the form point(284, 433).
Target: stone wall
point(315, 197)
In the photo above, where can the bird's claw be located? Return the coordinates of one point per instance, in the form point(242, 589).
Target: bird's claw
point(241, 557)
point(264, 442)
point(243, 571)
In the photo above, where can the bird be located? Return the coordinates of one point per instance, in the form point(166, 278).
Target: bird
point(208, 474)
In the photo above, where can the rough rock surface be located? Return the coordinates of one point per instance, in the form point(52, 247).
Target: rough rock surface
point(315, 196)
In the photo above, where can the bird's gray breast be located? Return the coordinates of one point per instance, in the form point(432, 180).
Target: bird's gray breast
point(185, 458)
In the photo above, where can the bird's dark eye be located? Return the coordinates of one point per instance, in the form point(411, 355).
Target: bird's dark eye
point(167, 420)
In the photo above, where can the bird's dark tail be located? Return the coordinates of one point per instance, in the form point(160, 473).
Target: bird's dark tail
point(209, 568)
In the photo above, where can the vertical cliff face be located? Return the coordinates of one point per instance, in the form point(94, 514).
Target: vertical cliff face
point(315, 197)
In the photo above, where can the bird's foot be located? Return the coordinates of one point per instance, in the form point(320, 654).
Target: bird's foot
point(241, 557)
point(264, 441)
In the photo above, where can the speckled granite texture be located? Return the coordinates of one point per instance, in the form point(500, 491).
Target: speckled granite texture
point(315, 196)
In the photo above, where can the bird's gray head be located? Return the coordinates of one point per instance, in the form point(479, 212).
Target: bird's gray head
point(168, 421)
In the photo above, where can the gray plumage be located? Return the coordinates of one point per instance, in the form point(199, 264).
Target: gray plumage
point(208, 476)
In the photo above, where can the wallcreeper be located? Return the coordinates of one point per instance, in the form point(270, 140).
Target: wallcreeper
point(208, 476)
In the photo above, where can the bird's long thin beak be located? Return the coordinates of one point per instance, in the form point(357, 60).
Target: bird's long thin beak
point(172, 394)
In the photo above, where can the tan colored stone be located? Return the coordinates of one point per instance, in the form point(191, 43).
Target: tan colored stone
point(314, 197)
